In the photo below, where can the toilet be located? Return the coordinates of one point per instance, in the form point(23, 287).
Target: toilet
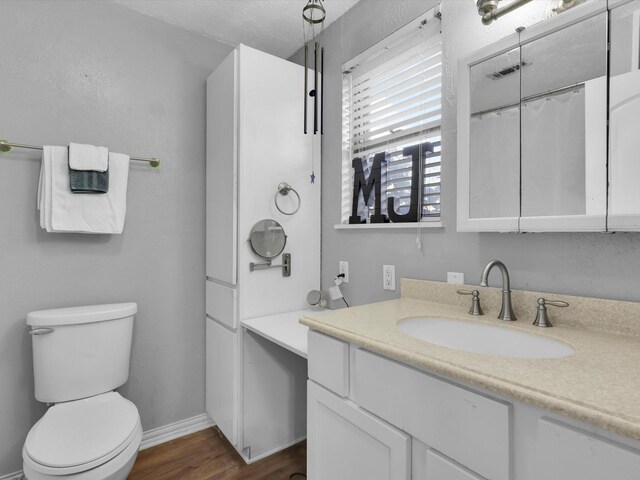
point(80, 356)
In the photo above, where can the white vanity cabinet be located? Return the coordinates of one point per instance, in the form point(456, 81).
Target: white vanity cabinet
point(396, 422)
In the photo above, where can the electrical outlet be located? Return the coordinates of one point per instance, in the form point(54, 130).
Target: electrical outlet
point(344, 268)
point(389, 277)
point(456, 278)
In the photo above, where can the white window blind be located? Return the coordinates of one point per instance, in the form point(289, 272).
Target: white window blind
point(392, 95)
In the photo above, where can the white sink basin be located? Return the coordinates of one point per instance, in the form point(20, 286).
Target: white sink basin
point(480, 338)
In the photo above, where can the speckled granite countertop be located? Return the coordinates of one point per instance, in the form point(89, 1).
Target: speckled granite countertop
point(599, 384)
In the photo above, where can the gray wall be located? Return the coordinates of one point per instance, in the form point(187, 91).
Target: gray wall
point(586, 264)
point(98, 73)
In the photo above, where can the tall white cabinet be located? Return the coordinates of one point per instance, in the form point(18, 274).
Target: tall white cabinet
point(255, 390)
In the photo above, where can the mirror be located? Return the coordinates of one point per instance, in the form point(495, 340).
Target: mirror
point(267, 239)
point(564, 123)
point(532, 117)
point(494, 150)
point(624, 115)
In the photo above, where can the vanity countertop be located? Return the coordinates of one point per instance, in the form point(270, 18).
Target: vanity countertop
point(598, 384)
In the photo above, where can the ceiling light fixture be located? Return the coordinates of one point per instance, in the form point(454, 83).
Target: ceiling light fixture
point(489, 11)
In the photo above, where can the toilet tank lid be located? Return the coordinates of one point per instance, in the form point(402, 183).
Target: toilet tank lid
point(78, 315)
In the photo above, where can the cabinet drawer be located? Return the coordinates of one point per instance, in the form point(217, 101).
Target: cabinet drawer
point(470, 428)
point(221, 304)
point(329, 362)
point(566, 452)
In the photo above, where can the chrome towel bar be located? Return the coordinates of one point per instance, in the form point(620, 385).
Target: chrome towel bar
point(6, 146)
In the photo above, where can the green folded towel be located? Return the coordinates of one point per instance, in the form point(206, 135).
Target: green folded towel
point(88, 181)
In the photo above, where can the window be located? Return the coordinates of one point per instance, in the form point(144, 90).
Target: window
point(392, 100)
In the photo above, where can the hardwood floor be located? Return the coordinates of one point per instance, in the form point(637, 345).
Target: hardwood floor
point(206, 455)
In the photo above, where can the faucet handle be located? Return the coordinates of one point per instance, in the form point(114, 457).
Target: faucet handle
point(475, 309)
point(542, 319)
point(555, 303)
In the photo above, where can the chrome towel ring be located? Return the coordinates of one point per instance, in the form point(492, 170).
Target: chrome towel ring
point(284, 189)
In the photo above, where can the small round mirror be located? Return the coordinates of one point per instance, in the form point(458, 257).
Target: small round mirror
point(267, 239)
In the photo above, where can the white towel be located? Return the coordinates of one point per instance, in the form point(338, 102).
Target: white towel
point(63, 211)
point(88, 157)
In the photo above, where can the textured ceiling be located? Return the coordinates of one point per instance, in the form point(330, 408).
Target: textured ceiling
point(273, 26)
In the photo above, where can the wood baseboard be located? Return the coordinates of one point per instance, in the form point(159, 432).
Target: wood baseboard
point(174, 430)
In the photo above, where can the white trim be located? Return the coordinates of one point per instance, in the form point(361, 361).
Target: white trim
point(560, 22)
point(401, 32)
point(13, 476)
point(564, 223)
point(635, 41)
point(616, 3)
point(249, 461)
point(498, 224)
point(388, 226)
point(159, 435)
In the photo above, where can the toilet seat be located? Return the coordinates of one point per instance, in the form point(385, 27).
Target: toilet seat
point(117, 468)
point(77, 436)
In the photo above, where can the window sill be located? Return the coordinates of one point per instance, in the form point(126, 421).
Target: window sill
point(389, 226)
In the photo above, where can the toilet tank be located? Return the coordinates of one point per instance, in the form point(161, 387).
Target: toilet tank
point(79, 352)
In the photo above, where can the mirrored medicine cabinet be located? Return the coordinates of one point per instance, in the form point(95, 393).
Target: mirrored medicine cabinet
point(534, 151)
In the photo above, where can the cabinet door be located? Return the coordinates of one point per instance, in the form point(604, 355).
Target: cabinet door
point(221, 388)
point(428, 464)
point(222, 172)
point(344, 442)
point(489, 141)
point(566, 453)
point(624, 116)
point(564, 128)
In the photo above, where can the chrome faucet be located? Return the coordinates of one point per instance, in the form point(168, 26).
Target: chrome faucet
point(506, 312)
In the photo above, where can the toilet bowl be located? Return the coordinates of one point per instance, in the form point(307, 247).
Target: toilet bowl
point(91, 432)
point(96, 438)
